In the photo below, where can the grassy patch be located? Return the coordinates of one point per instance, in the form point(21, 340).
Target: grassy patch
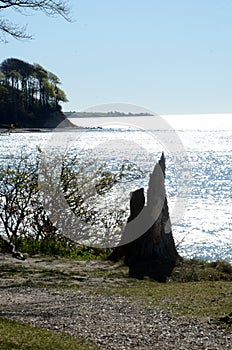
point(192, 299)
point(17, 336)
point(54, 246)
point(194, 270)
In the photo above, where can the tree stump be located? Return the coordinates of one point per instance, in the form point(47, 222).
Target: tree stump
point(147, 243)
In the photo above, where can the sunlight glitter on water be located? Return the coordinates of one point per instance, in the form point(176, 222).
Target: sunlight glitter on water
point(205, 229)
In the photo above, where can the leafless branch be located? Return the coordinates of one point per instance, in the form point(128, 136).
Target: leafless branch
point(49, 7)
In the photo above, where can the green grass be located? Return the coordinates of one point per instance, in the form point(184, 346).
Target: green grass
point(55, 246)
point(192, 299)
point(17, 336)
point(194, 270)
point(196, 289)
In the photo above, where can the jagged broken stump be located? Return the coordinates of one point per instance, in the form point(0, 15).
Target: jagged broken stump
point(147, 243)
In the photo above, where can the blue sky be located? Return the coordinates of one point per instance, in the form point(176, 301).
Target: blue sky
point(170, 56)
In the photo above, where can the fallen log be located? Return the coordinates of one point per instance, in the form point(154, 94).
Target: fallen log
point(10, 248)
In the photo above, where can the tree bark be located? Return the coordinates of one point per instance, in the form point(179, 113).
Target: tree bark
point(152, 252)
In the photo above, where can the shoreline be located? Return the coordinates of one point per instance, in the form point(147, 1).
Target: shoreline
point(42, 130)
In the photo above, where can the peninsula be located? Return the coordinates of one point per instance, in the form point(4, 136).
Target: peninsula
point(30, 96)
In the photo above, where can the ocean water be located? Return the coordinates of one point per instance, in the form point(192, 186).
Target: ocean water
point(198, 169)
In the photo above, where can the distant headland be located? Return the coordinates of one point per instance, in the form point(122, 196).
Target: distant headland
point(30, 96)
point(104, 114)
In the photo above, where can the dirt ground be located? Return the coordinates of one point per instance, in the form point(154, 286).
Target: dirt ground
point(62, 295)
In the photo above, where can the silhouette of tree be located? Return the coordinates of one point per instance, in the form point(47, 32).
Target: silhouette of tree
point(27, 88)
point(49, 7)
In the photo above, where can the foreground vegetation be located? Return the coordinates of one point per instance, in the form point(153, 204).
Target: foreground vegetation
point(26, 337)
point(26, 217)
point(54, 247)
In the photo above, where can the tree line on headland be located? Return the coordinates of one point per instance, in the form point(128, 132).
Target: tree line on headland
point(29, 95)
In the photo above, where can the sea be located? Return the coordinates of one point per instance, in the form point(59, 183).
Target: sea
point(198, 181)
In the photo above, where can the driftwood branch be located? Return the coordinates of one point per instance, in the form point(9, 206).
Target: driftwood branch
point(10, 247)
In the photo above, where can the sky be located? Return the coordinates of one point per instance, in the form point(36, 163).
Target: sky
point(169, 56)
